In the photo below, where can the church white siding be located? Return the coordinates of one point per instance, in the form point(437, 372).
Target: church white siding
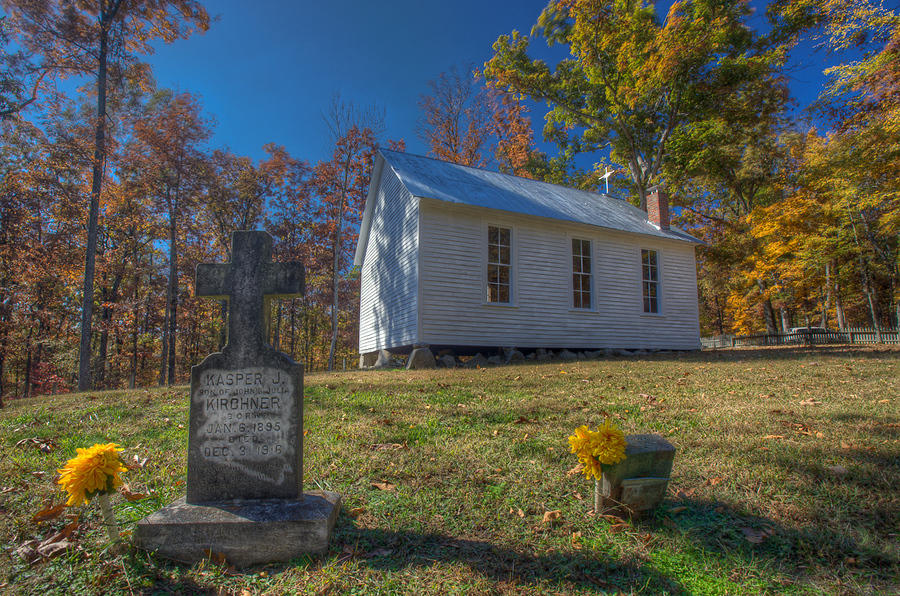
point(389, 272)
point(453, 309)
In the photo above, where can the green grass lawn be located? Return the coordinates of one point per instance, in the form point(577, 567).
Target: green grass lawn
point(787, 479)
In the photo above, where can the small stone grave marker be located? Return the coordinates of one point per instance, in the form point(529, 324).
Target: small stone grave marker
point(245, 442)
point(638, 483)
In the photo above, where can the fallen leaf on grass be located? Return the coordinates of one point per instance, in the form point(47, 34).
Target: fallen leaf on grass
point(357, 511)
point(678, 509)
point(383, 486)
point(714, 481)
point(551, 516)
point(41, 444)
point(755, 536)
point(578, 496)
point(125, 491)
point(523, 420)
point(618, 528)
point(137, 462)
point(613, 519)
point(386, 446)
point(810, 402)
point(576, 540)
point(48, 513)
point(49, 548)
point(28, 551)
point(683, 493)
point(576, 470)
point(773, 437)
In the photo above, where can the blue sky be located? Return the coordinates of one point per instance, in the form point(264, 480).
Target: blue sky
point(267, 69)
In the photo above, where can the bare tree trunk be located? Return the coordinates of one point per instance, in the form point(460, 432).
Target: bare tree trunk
point(172, 298)
point(87, 305)
point(867, 288)
point(164, 357)
point(26, 390)
point(864, 273)
point(839, 308)
point(223, 332)
point(785, 319)
point(720, 316)
point(100, 366)
point(335, 280)
point(276, 333)
point(768, 311)
point(293, 321)
point(135, 312)
point(829, 293)
point(2, 350)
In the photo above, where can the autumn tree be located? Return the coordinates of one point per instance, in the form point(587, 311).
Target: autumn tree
point(168, 139)
point(100, 40)
point(631, 81)
point(341, 184)
point(467, 122)
point(20, 79)
point(456, 118)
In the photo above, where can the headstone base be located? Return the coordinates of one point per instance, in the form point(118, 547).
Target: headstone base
point(244, 532)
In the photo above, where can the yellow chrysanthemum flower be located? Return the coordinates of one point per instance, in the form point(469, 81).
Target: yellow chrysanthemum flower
point(609, 447)
point(591, 467)
point(579, 441)
point(94, 470)
point(605, 446)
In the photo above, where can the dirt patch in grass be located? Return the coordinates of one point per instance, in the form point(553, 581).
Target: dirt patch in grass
point(785, 479)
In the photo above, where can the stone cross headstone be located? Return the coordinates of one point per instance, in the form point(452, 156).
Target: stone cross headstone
point(245, 499)
point(246, 423)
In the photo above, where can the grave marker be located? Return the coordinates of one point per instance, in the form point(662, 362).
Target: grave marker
point(245, 441)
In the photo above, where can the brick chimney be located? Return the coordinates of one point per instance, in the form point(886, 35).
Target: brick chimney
point(658, 207)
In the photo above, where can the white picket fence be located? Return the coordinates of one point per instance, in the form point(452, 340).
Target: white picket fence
point(852, 335)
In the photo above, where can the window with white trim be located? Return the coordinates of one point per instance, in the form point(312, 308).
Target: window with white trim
point(581, 273)
point(650, 280)
point(499, 265)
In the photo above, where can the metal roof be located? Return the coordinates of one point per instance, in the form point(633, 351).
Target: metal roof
point(434, 179)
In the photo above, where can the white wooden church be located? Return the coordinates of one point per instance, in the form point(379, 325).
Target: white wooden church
point(458, 257)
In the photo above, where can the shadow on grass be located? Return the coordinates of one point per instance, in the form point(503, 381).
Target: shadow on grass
point(726, 532)
point(395, 550)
